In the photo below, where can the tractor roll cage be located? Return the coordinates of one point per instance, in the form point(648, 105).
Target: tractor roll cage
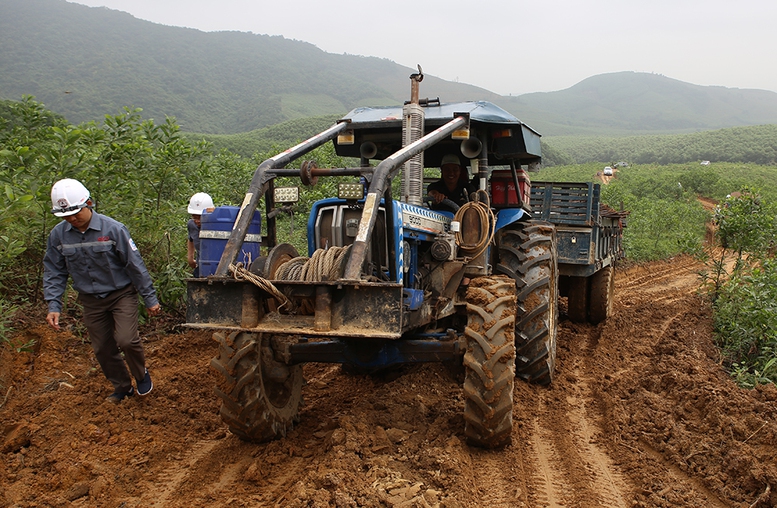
point(383, 173)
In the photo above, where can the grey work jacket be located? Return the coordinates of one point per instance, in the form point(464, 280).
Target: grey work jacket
point(100, 260)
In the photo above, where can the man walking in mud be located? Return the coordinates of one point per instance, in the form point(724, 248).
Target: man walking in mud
point(108, 273)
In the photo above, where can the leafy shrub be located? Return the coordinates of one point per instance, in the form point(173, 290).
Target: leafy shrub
point(745, 225)
point(746, 324)
point(140, 173)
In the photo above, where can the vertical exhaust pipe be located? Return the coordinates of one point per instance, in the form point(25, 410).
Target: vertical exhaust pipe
point(412, 130)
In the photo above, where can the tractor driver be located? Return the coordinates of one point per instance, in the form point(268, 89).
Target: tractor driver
point(454, 184)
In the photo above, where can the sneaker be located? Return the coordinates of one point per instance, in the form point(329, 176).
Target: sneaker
point(117, 396)
point(145, 386)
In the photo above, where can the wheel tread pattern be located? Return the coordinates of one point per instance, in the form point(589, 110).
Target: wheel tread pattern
point(601, 297)
point(250, 405)
point(527, 255)
point(489, 362)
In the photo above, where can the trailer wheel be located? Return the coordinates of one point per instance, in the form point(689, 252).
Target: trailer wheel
point(602, 289)
point(260, 396)
point(577, 299)
point(489, 362)
point(528, 256)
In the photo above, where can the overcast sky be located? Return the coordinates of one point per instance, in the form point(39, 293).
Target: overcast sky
point(511, 46)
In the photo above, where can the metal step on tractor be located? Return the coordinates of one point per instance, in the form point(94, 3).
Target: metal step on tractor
point(390, 281)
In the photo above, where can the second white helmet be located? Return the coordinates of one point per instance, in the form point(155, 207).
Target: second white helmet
point(68, 197)
point(199, 202)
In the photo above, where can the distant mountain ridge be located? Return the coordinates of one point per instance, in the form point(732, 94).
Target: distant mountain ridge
point(643, 103)
point(87, 62)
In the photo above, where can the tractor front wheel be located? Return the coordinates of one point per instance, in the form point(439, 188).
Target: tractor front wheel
point(260, 396)
point(489, 363)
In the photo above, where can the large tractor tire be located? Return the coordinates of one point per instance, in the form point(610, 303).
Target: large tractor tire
point(260, 397)
point(527, 254)
point(489, 363)
point(577, 299)
point(601, 297)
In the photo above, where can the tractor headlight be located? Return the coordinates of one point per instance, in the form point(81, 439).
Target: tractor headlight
point(350, 191)
point(286, 194)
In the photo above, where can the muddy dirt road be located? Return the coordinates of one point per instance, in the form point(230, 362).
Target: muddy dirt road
point(640, 414)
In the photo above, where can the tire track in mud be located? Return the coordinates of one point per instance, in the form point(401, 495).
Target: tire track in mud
point(576, 471)
point(567, 467)
point(500, 467)
point(545, 488)
point(169, 480)
point(561, 445)
point(639, 277)
point(278, 492)
point(644, 300)
point(606, 479)
point(210, 467)
point(680, 477)
point(203, 471)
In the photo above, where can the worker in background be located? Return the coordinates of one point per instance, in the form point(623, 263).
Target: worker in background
point(454, 184)
point(108, 273)
point(197, 204)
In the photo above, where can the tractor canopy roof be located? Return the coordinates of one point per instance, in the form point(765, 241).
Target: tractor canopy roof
point(504, 136)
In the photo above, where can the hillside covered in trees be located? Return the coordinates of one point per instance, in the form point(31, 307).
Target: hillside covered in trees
point(630, 103)
point(757, 144)
point(85, 63)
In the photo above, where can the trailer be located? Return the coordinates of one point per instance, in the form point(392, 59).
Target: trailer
point(588, 241)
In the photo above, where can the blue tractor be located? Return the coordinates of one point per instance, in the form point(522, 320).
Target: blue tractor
point(387, 280)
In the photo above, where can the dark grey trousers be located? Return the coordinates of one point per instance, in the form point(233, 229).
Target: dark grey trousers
point(112, 323)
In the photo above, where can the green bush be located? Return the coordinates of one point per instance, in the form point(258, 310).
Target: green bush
point(139, 173)
point(746, 324)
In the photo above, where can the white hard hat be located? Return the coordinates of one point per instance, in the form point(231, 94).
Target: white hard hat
point(200, 202)
point(68, 197)
point(450, 159)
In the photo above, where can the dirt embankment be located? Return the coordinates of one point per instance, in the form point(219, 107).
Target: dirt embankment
point(640, 414)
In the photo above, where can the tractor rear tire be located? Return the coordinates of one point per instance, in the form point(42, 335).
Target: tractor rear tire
point(260, 396)
point(489, 362)
point(602, 290)
point(577, 299)
point(527, 254)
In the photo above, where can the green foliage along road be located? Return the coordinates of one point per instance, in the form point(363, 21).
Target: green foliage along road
point(139, 172)
point(745, 300)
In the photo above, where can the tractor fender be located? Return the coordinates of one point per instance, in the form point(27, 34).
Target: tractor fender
point(507, 216)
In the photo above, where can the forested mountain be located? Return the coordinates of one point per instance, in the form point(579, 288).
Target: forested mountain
point(753, 144)
point(641, 103)
point(88, 62)
point(85, 63)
